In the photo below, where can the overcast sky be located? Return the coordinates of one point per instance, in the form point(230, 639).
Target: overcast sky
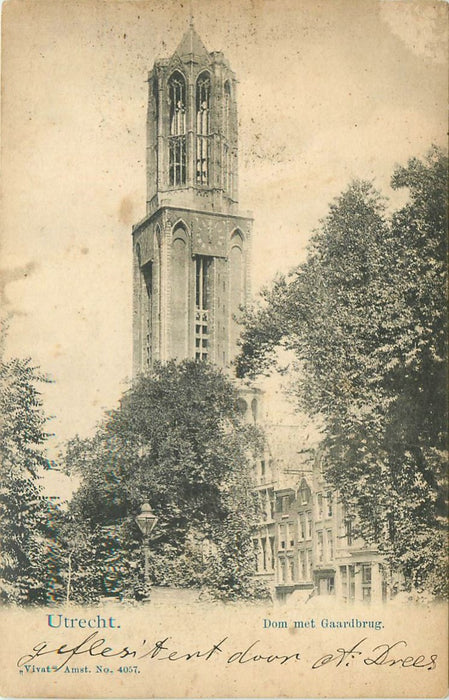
point(327, 91)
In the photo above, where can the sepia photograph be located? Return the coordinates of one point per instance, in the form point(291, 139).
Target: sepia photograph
point(223, 370)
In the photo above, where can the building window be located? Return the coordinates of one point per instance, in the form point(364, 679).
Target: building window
point(319, 506)
point(227, 166)
point(329, 504)
point(272, 559)
point(282, 536)
point(282, 569)
point(309, 564)
point(309, 525)
point(242, 406)
point(302, 564)
point(202, 269)
point(304, 494)
point(330, 545)
point(290, 534)
point(227, 109)
point(177, 98)
point(344, 581)
point(202, 281)
point(283, 503)
point(177, 169)
point(320, 546)
point(202, 129)
point(227, 173)
point(351, 576)
point(348, 531)
point(177, 137)
point(302, 527)
point(291, 566)
point(366, 581)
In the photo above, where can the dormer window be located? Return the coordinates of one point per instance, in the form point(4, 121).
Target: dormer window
point(203, 89)
point(177, 137)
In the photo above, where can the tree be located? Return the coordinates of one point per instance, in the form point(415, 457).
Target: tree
point(366, 317)
point(177, 441)
point(25, 514)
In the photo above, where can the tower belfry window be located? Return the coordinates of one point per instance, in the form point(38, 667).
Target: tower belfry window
point(177, 137)
point(202, 129)
point(227, 166)
point(227, 109)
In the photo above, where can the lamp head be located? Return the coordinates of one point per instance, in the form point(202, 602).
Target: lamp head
point(146, 520)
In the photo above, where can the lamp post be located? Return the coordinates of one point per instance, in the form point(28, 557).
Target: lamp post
point(146, 520)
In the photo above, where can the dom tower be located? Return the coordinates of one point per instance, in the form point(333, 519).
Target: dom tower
point(191, 249)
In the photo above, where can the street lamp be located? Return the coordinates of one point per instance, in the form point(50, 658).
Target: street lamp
point(146, 520)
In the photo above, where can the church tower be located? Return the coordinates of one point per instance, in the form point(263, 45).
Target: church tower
point(191, 251)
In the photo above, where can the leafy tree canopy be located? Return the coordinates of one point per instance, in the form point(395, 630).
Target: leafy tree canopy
point(365, 315)
point(177, 441)
point(25, 514)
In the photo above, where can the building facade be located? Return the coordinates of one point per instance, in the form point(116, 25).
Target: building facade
point(191, 250)
point(305, 544)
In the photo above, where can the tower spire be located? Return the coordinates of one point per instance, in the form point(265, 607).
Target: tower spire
point(191, 43)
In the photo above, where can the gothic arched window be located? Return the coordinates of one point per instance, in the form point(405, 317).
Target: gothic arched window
point(203, 91)
point(177, 137)
point(177, 99)
point(227, 108)
point(202, 302)
point(227, 167)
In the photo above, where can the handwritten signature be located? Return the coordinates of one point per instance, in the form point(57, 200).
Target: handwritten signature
point(162, 650)
point(381, 655)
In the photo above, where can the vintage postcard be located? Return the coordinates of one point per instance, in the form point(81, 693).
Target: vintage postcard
point(223, 376)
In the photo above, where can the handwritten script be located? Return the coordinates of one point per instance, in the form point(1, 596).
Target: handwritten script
point(95, 646)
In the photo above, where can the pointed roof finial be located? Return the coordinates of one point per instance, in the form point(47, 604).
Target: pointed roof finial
point(191, 14)
point(191, 43)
